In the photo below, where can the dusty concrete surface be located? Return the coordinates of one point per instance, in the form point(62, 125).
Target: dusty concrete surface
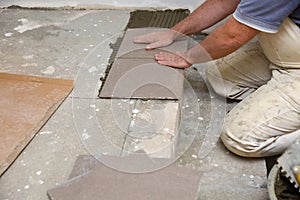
point(92, 4)
point(75, 45)
point(52, 44)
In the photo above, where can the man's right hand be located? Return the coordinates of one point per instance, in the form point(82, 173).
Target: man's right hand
point(156, 39)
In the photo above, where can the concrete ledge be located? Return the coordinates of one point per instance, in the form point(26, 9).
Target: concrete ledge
point(103, 4)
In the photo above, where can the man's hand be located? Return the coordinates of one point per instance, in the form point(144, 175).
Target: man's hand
point(172, 60)
point(156, 39)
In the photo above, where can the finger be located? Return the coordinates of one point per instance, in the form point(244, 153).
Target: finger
point(170, 59)
point(148, 38)
point(141, 39)
point(170, 63)
point(165, 62)
point(163, 55)
point(165, 58)
point(154, 45)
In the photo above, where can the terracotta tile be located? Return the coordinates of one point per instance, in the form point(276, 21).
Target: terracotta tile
point(142, 78)
point(129, 49)
point(101, 182)
point(26, 104)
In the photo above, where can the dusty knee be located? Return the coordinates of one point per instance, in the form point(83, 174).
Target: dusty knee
point(240, 141)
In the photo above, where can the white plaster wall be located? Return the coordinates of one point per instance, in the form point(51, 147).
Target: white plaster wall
point(189, 4)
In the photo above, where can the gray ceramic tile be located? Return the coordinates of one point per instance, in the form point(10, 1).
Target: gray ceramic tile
point(129, 49)
point(168, 183)
point(142, 78)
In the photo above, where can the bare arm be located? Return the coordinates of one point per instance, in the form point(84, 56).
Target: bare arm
point(221, 42)
point(206, 15)
point(224, 40)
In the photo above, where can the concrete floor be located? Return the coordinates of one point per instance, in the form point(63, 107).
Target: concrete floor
point(73, 44)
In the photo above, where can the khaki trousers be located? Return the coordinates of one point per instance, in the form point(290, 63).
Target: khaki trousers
point(266, 77)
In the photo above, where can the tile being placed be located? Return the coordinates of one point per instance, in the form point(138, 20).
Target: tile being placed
point(129, 49)
point(142, 78)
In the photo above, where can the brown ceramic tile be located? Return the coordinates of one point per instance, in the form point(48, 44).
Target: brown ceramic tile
point(102, 182)
point(142, 78)
point(129, 49)
point(26, 104)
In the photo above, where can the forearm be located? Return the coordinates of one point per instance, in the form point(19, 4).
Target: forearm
point(206, 15)
point(221, 42)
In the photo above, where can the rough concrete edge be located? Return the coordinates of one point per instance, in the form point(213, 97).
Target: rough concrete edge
point(90, 7)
